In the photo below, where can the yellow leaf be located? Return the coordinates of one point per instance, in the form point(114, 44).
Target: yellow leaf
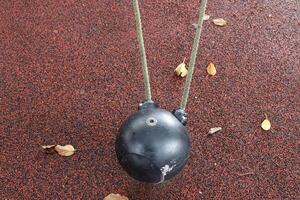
point(66, 150)
point(211, 69)
point(115, 197)
point(181, 69)
point(266, 124)
point(219, 22)
point(184, 72)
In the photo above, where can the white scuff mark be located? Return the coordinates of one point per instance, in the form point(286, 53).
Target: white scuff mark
point(164, 170)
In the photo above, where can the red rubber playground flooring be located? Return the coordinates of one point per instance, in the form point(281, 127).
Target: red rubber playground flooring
point(70, 74)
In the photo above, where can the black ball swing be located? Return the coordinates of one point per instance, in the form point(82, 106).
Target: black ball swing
point(153, 144)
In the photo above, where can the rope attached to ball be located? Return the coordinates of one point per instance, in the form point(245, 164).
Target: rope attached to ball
point(192, 62)
point(142, 49)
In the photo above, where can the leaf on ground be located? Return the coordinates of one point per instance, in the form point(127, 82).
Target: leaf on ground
point(48, 146)
point(49, 149)
point(181, 69)
point(219, 22)
point(266, 124)
point(66, 150)
point(214, 130)
point(206, 17)
point(211, 69)
point(115, 197)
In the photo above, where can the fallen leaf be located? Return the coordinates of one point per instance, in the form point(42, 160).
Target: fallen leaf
point(48, 146)
point(181, 69)
point(211, 69)
point(115, 197)
point(184, 72)
point(219, 22)
point(214, 130)
point(49, 149)
point(66, 150)
point(266, 124)
point(206, 17)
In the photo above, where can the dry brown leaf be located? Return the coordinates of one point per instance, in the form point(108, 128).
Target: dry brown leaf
point(266, 124)
point(48, 146)
point(49, 149)
point(181, 69)
point(219, 22)
point(184, 72)
point(211, 69)
point(66, 150)
point(115, 197)
point(214, 130)
point(206, 17)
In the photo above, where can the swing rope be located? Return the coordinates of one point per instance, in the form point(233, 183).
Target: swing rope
point(192, 62)
point(142, 49)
